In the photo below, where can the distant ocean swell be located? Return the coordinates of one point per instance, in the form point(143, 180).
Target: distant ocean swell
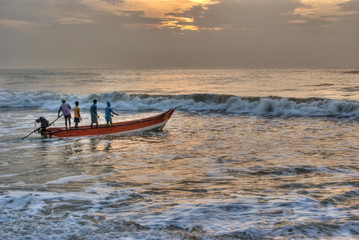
point(228, 104)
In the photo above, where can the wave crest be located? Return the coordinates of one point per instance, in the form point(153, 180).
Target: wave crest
point(221, 103)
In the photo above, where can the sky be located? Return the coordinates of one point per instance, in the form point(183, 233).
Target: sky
point(179, 33)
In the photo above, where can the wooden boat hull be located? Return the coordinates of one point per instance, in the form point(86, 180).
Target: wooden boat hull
point(146, 124)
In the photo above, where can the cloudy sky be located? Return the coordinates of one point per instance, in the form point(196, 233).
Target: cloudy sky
point(178, 33)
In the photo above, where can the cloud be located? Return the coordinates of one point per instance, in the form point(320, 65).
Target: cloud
point(249, 15)
point(75, 20)
point(163, 11)
point(177, 14)
point(323, 11)
point(350, 6)
point(142, 13)
point(34, 14)
point(18, 24)
point(182, 33)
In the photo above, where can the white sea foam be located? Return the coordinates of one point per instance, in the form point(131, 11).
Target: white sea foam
point(76, 178)
point(269, 106)
point(103, 214)
point(70, 179)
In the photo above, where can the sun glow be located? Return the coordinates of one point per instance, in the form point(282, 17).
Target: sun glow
point(170, 13)
point(181, 23)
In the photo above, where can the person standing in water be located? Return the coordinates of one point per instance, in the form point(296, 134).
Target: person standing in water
point(77, 116)
point(94, 115)
point(65, 108)
point(108, 114)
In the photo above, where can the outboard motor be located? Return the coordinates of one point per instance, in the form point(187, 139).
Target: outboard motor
point(44, 124)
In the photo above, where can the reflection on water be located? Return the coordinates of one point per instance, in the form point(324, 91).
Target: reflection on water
point(204, 176)
point(225, 167)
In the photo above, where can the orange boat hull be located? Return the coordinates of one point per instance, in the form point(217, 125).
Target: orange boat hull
point(146, 124)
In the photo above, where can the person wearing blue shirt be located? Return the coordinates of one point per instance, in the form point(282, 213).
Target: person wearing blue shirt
point(108, 114)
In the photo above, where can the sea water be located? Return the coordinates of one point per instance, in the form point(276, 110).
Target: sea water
point(248, 154)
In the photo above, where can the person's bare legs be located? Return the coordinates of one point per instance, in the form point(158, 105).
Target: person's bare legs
point(67, 119)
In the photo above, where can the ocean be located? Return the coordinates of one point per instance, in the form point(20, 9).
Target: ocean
point(248, 154)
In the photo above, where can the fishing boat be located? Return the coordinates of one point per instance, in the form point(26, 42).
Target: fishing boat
point(145, 124)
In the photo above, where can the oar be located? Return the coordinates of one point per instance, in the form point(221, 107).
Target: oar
point(31, 133)
point(37, 129)
point(55, 120)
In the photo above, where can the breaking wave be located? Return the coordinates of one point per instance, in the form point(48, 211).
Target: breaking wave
point(228, 104)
